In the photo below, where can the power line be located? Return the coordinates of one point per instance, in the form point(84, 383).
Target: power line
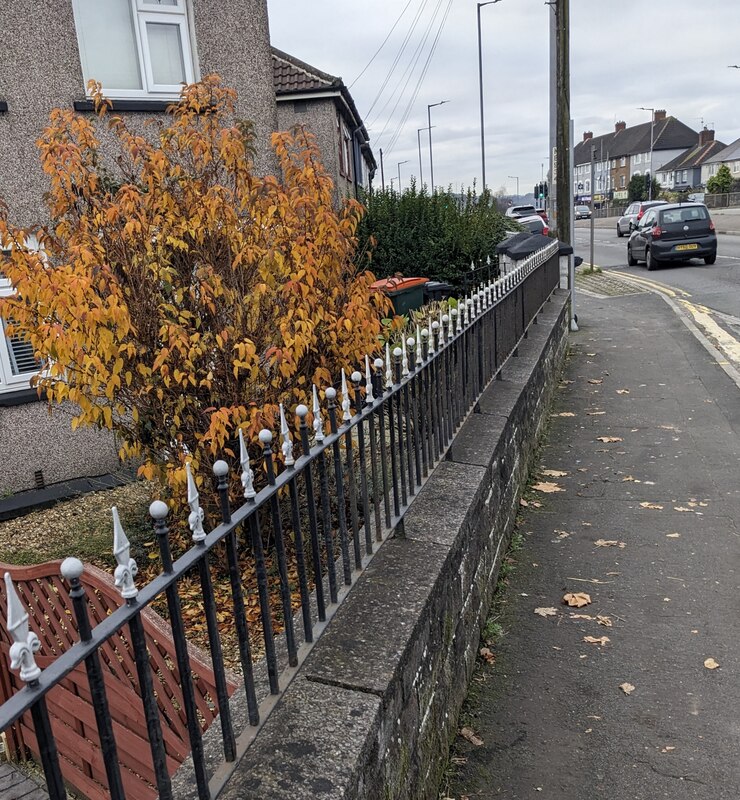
point(409, 71)
point(419, 83)
point(400, 53)
point(375, 54)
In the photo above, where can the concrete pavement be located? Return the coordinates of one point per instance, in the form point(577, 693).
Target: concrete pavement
point(647, 434)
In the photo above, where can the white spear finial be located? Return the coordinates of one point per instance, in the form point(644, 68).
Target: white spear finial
point(388, 370)
point(346, 416)
point(247, 472)
point(287, 446)
point(318, 420)
point(127, 569)
point(369, 397)
point(404, 358)
point(419, 354)
point(25, 641)
point(195, 519)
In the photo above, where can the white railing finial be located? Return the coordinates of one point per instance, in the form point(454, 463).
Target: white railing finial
point(318, 420)
point(287, 446)
point(247, 472)
point(195, 518)
point(25, 641)
point(127, 569)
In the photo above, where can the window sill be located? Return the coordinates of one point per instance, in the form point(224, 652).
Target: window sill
point(141, 105)
point(20, 397)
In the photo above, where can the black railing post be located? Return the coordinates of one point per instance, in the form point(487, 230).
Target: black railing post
point(71, 570)
point(221, 471)
point(158, 511)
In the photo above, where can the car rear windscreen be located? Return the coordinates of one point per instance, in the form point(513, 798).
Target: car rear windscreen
point(675, 216)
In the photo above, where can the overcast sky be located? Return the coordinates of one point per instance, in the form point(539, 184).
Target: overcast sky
point(670, 54)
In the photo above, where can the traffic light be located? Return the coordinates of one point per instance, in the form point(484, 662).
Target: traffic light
point(544, 186)
point(537, 187)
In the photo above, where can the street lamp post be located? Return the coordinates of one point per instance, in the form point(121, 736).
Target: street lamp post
point(515, 178)
point(480, 87)
point(398, 167)
point(652, 129)
point(418, 141)
point(429, 122)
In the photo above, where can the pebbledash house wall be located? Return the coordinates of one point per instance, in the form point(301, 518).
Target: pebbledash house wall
point(319, 116)
point(40, 69)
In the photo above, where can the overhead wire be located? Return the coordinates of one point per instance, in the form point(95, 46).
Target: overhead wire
point(409, 105)
point(377, 52)
point(408, 72)
point(399, 55)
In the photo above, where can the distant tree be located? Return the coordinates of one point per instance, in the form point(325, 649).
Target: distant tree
point(721, 183)
point(637, 188)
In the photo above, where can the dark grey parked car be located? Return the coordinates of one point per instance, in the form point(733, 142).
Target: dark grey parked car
point(627, 223)
point(674, 232)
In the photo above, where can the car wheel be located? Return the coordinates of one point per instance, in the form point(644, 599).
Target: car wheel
point(631, 260)
point(650, 262)
point(619, 232)
point(710, 259)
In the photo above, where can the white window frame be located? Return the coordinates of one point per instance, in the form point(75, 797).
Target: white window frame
point(638, 158)
point(142, 13)
point(8, 381)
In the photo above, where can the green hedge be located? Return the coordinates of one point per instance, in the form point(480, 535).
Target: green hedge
point(434, 236)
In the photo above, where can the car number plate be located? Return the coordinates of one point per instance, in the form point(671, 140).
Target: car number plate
point(687, 247)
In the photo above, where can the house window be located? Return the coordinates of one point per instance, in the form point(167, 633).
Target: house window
point(17, 362)
point(638, 158)
point(621, 181)
point(135, 48)
point(345, 149)
point(623, 161)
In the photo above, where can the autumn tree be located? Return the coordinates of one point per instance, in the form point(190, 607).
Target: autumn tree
point(175, 295)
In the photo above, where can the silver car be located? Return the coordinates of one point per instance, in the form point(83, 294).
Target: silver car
point(627, 223)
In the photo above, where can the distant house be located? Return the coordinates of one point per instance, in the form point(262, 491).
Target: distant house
point(625, 152)
point(141, 51)
point(307, 96)
point(684, 172)
point(728, 156)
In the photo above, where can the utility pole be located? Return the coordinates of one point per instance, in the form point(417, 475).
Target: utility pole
point(593, 157)
point(382, 173)
point(552, 171)
point(562, 134)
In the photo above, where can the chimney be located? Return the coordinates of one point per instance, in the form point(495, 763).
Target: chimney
point(588, 135)
point(619, 126)
point(705, 136)
point(659, 115)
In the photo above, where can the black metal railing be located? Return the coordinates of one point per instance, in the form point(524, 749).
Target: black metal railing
point(331, 507)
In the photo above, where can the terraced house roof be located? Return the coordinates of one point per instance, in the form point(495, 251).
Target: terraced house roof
point(290, 74)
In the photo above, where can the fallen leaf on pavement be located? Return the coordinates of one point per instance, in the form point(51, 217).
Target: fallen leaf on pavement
point(623, 391)
point(471, 736)
point(672, 535)
point(595, 413)
point(546, 612)
point(562, 534)
point(651, 505)
point(608, 439)
point(523, 503)
point(667, 749)
point(609, 543)
point(577, 599)
point(487, 654)
point(596, 381)
point(681, 508)
point(535, 503)
point(602, 619)
point(710, 663)
point(554, 473)
point(600, 640)
point(580, 616)
point(547, 487)
point(629, 479)
point(627, 688)
point(564, 414)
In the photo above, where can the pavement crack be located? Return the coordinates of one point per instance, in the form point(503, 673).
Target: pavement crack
point(687, 777)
